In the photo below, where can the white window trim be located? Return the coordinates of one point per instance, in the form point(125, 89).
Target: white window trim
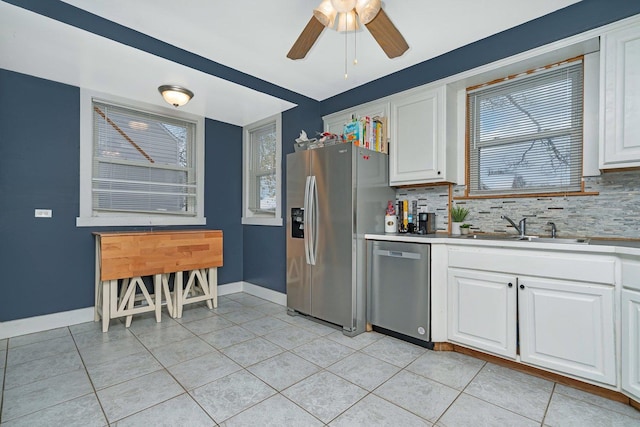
point(248, 216)
point(87, 218)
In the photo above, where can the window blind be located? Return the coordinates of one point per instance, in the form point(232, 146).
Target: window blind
point(142, 162)
point(263, 169)
point(525, 134)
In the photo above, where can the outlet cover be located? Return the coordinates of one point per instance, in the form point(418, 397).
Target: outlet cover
point(43, 213)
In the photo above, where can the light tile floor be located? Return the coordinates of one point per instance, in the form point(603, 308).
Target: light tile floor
point(248, 363)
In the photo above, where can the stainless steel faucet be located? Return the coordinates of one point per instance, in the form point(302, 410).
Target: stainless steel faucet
point(521, 228)
point(553, 229)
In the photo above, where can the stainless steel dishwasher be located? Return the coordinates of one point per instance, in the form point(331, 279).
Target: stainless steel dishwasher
point(399, 281)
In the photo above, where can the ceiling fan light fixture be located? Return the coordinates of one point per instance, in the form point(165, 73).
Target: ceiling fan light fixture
point(175, 95)
point(367, 10)
point(326, 13)
point(343, 6)
point(347, 22)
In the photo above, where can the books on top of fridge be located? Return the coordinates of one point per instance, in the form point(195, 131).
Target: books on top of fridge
point(367, 132)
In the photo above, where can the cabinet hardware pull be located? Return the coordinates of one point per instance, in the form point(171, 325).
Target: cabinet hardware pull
point(521, 286)
point(511, 285)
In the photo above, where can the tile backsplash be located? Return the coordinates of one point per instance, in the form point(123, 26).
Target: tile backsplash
point(615, 212)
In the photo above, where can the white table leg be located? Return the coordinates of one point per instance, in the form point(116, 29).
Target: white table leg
point(213, 285)
point(106, 311)
point(157, 292)
point(98, 284)
point(177, 290)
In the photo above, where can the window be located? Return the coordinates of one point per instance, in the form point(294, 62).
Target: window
point(262, 172)
point(145, 166)
point(525, 133)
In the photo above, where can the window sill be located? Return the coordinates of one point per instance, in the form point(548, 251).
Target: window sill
point(276, 222)
point(130, 221)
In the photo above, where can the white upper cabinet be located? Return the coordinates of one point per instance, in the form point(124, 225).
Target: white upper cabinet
point(417, 148)
point(620, 98)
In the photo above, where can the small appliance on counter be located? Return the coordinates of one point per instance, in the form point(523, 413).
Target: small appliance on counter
point(413, 222)
point(426, 223)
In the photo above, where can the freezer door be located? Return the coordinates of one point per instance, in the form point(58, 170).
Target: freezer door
point(332, 275)
point(298, 270)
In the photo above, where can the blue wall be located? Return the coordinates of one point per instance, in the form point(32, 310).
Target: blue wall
point(223, 193)
point(48, 264)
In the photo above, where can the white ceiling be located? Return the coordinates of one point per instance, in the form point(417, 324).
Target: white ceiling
point(250, 36)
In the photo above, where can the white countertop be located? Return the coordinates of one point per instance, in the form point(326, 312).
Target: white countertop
point(624, 247)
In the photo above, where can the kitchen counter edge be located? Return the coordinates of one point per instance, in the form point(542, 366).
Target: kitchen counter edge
point(622, 247)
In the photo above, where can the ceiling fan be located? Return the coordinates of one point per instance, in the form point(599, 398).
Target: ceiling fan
point(343, 15)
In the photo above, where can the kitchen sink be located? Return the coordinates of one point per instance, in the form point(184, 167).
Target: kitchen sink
point(492, 236)
point(534, 239)
point(580, 241)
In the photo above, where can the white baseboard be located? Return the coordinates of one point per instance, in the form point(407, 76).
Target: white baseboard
point(30, 325)
point(264, 293)
point(230, 288)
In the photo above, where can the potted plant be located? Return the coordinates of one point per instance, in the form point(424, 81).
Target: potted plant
point(457, 217)
point(464, 228)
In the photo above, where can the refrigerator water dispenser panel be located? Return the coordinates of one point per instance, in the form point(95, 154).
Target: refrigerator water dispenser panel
point(297, 223)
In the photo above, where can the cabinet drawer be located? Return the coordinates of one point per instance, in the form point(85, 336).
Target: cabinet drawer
point(631, 273)
point(569, 266)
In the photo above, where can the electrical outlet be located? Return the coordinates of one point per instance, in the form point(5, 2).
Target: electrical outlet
point(43, 213)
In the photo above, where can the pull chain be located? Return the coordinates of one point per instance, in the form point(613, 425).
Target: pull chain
point(355, 45)
point(345, 48)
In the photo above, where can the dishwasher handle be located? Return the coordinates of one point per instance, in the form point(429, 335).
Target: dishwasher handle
point(397, 254)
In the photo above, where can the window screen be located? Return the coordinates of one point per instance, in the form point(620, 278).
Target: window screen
point(525, 133)
point(262, 173)
point(142, 162)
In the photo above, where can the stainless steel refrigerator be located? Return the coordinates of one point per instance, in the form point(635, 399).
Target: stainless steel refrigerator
point(335, 195)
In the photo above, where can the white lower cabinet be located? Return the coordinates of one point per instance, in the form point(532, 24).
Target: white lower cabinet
point(631, 343)
point(561, 325)
point(482, 310)
point(568, 327)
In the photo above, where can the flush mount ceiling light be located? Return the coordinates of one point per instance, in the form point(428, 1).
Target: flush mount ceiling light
point(175, 95)
point(368, 12)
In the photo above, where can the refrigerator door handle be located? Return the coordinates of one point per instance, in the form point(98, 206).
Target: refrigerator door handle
point(314, 220)
point(306, 219)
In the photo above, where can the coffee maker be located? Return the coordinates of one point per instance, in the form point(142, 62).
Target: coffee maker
point(426, 223)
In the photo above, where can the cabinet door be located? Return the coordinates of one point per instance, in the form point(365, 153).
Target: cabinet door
point(416, 151)
point(335, 124)
point(482, 310)
point(631, 343)
point(620, 107)
point(568, 327)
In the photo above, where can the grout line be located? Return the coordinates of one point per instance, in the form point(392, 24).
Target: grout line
point(4, 374)
point(546, 410)
point(95, 393)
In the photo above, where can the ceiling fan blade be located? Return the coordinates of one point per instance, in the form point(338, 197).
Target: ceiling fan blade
point(306, 39)
point(387, 35)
